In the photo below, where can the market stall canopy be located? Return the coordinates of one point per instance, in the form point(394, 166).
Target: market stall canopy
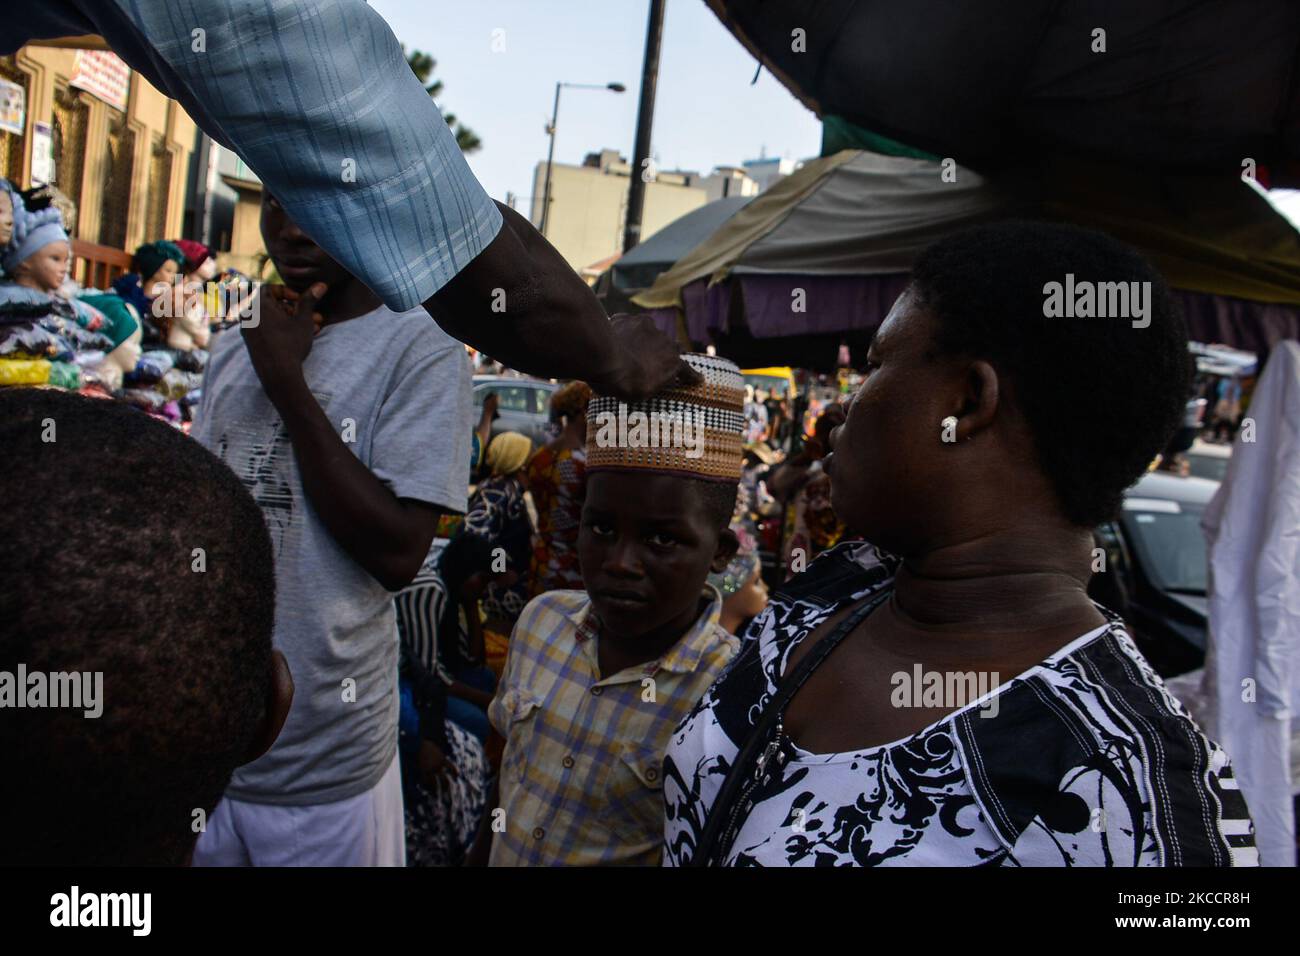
point(628, 274)
point(1187, 84)
point(827, 249)
point(646, 260)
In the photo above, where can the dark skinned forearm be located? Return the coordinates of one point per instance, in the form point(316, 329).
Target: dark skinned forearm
point(519, 302)
point(544, 320)
point(386, 535)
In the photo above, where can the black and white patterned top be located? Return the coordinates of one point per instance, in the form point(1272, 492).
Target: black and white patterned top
point(1085, 761)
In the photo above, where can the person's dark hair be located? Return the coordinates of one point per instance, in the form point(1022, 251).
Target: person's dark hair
point(105, 508)
point(719, 499)
point(465, 555)
point(1100, 396)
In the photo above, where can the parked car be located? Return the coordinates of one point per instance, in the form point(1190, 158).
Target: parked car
point(1157, 567)
point(523, 405)
point(1208, 459)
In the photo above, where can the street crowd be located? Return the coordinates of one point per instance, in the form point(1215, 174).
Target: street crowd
point(342, 622)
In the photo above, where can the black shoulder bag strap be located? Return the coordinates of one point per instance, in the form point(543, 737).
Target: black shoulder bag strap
point(742, 769)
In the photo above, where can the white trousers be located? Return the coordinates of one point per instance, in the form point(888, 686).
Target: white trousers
point(366, 830)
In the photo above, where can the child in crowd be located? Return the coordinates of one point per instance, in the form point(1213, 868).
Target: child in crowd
point(596, 681)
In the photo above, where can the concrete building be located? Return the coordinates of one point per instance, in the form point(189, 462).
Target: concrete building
point(224, 207)
point(589, 205)
point(589, 202)
point(766, 171)
point(727, 181)
point(116, 146)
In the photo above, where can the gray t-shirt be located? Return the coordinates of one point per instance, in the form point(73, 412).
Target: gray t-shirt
point(398, 390)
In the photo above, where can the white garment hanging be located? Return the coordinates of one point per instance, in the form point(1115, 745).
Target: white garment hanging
point(1252, 672)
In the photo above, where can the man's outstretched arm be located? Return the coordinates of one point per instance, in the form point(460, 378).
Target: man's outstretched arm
point(521, 303)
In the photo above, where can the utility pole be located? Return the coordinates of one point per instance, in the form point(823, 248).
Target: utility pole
point(644, 122)
point(550, 153)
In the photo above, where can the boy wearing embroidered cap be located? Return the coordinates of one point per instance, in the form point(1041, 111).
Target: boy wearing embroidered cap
point(596, 680)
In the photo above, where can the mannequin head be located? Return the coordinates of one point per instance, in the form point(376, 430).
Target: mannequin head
point(199, 265)
point(127, 354)
point(744, 595)
point(122, 326)
point(10, 203)
point(157, 263)
point(188, 328)
point(46, 268)
point(117, 363)
point(38, 254)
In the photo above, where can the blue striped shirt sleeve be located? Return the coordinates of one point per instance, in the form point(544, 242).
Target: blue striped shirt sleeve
point(318, 100)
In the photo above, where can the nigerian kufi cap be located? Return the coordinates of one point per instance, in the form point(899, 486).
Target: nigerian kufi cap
point(693, 431)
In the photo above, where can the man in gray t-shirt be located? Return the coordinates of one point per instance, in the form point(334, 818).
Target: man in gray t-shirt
point(352, 439)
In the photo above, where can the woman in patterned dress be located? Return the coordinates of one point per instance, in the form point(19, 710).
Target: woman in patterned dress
point(556, 477)
point(497, 512)
point(976, 708)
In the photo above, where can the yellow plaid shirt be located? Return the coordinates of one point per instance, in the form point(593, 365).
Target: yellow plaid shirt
point(581, 776)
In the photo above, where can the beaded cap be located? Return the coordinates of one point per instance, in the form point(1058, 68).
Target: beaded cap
point(695, 432)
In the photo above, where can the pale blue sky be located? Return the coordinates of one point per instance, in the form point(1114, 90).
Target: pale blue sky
point(706, 113)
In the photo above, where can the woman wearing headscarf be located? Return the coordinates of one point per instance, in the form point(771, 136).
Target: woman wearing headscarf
point(556, 477)
point(948, 694)
point(497, 512)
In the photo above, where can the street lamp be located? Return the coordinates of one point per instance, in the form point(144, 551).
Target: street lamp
point(550, 155)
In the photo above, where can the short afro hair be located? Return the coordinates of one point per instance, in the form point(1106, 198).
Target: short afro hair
point(1100, 396)
point(105, 509)
point(719, 499)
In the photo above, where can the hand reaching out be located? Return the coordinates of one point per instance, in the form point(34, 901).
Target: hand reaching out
point(646, 361)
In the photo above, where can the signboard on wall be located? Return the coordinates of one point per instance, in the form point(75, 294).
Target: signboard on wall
point(104, 75)
point(42, 154)
point(13, 107)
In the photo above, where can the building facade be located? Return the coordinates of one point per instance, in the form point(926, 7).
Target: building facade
point(123, 164)
point(224, 207)
point(589, 205)
point(589, 202)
